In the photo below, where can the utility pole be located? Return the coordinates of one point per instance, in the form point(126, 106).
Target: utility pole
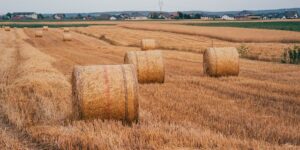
point(160, 4)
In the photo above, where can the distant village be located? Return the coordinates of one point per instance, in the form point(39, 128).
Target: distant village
point(243, 15)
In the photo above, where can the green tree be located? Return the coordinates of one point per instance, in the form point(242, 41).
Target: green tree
point(9, 15)
point(40, 16)
point(299, 56)
point(180, 15)
point(291, 56)
point(197, 16)
point(295, 61)
point(154, 15)
point(186, 16)
point(79, 16)
point(285, 56)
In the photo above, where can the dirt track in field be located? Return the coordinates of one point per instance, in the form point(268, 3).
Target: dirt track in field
point(260, 108)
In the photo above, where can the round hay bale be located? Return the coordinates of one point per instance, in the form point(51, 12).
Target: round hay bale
point(107, 92)
point(45, 28)
point(39, 33)
point(221, 62)
point(149, 65)
point(6, 28)
point(67, 37)
point(148, 44)
point(66, 30)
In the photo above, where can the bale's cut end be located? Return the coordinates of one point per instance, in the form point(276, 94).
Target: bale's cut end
point(107, 92)
point(66, 30)
point(148, 44)
point(45, 28)
point(221, 62)
point(149, 65)
point(39, 34)
point(67, 37)
point(6, 28)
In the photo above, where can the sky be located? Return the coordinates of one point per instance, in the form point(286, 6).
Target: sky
point(71, 6)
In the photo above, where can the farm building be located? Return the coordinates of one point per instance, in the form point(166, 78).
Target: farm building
point(113, 18)
point(24, 15)
point(59, 16)
point(138, 16)
point(227, 17)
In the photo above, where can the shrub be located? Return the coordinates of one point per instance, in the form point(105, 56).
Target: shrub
point(243, 50)
point(291, 55)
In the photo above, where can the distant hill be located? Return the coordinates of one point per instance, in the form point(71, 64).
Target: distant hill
point(146, 13)
point(255, 12)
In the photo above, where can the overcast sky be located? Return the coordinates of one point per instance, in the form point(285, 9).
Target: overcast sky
point(51, 6)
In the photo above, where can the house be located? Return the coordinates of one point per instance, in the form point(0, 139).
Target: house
point(159, 15)
point(247, 15)
point(284, 17)
point(113, 18)
point(227, 17)
point(174, 15)
point(164, 15)
point(206, 18)
point(138, 16)
point(24, 15)
point(59, 16)
point(104, 16)
point(89, 17)
point(209, 17)
point(124, 16)
point(252, 17)
point(291, 15)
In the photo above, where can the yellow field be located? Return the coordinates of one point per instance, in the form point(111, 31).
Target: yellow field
point(259, 109)
point(186, 38)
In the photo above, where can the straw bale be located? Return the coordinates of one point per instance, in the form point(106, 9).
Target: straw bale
point(66, 30)
point(45, 28)
point(221, 62)
point(67, 37)
point(149, 65)
point(106, 92)
point(39, 33)
point(148, 44)
point(7, 28)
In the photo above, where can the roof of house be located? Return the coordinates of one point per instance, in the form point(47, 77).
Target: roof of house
point(229, 15)
point(23, 13)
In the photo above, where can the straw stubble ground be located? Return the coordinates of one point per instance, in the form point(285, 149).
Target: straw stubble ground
point(259, 109)
point(264, 45)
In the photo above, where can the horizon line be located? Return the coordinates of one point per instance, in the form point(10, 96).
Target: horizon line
point(154, 11)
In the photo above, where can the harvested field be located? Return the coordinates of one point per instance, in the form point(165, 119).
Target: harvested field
point(224, 33)
point(120, 36)
point(259, 109)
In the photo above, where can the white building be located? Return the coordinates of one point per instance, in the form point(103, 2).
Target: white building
point(139, 18)
point(112, 18)
point(227, 17)
point(206, 18)
point(25, 15)
point(58, 16)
